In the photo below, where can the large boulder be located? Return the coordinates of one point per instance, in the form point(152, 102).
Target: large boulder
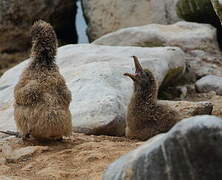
point(16, 18)
point(186, 35)
point(199, 41)
point(217, 5)
point(105, 16)
point(200, 11)
point(190, 150)
point(95, 76)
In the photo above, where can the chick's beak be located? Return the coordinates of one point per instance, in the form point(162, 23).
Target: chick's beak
point(138, 67)
point(138, 70)
point(132, 76)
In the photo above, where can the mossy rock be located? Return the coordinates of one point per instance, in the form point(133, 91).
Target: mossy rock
point(170, 79)
point(173, 75)
point(195, 10)
point(218, 8)
point(200, 11)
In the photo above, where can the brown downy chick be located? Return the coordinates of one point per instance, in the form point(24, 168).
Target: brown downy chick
point(42, 98)
point(145, 117)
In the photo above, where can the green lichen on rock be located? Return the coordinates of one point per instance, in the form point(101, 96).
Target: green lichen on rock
point(172, 75)
point(170, 79)
point(196, 10)
point(200, 11)
point(218, 8)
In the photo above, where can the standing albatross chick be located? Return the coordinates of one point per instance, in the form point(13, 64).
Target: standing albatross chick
point(145, 117)
point(41, 96)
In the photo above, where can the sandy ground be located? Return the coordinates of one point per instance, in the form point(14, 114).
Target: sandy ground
point(81, 157)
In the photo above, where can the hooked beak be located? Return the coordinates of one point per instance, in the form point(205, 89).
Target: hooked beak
point(138, 71)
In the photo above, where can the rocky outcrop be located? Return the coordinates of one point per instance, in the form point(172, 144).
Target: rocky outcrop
point(190, 150)
point(95, 76)
point(217, 5)
point(16, 18)
point(105, 16)
point(186, 35)
point(209, 83)
point(199, 41)
point(200, 11)
point(195, 10)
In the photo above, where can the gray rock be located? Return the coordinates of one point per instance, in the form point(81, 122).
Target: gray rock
point(105, 16)
point(209, 83)
point(190, 150)
point(186, 35)
point(203, 63)
point(201, 11)
point(199, 41)
point(100, 92)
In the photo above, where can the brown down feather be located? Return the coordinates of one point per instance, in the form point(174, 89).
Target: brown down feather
point(145, 116)
point(42, 98)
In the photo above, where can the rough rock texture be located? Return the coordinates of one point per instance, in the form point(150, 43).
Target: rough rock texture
point(100, 92)
point(190, 150)
point(188, 109)
point(199, 41)
point(105, 16)
point(193, 9)
point(186, 35)
point(200, 11)
point(16, 18)
point(217, 5)
point(79, 157)
point(202, 63)
point(209, 83)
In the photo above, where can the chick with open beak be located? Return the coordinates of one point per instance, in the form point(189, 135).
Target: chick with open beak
point(139, 69)
point(145, 116)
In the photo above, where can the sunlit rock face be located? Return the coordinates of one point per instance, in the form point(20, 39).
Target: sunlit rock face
point(105, 16)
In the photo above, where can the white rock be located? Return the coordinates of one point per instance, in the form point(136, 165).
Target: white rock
point(203, 63)
point(199, 41)
point(209, 83)
point(105, 16)
point(95, 76)
point(186, 35)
